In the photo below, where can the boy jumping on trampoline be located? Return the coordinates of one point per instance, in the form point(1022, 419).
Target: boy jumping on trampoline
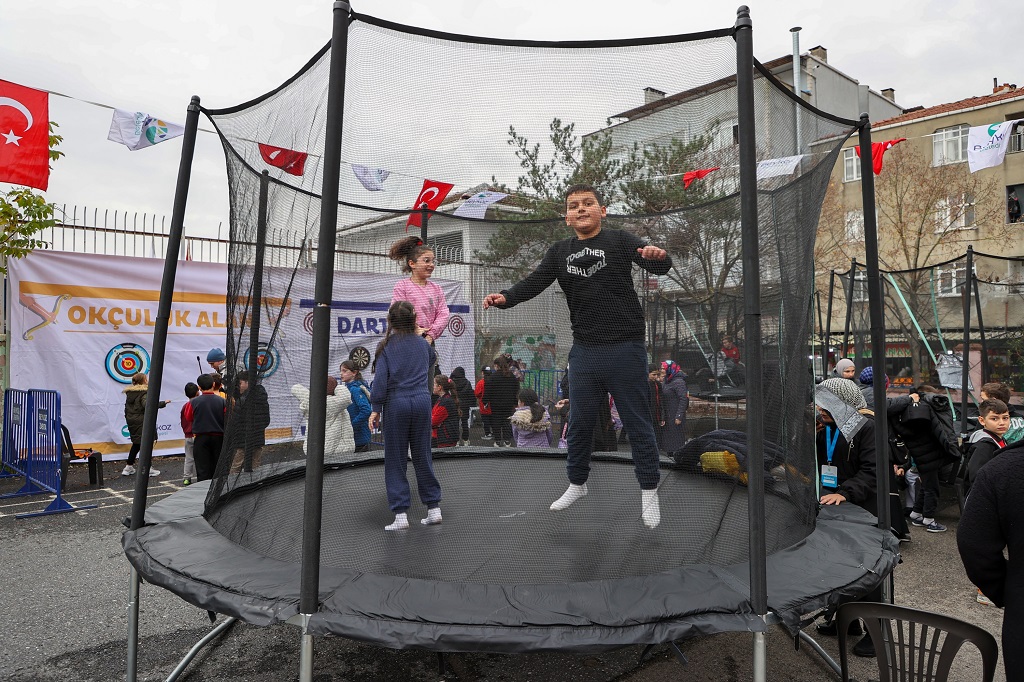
point(400, 382)
point(594, 269)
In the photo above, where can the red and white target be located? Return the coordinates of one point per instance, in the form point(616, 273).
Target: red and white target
point(456, 325)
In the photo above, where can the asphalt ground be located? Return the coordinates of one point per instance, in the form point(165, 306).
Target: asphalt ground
point(64, 615)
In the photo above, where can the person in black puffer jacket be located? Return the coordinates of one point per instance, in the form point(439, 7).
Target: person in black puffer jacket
point(467, 399)
point(927, 430)
point(501, 390)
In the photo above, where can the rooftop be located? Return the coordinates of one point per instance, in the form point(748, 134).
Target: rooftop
point(1006, 92)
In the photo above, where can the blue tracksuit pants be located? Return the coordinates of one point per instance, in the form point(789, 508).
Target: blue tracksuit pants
point(594, 372)
point(406, 424)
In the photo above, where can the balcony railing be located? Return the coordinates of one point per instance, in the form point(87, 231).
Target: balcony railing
point(1016, 142)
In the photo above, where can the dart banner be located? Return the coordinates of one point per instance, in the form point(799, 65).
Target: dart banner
point(82, 325)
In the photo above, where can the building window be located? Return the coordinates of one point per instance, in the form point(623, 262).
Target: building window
point(956, 212)
point(1014, 278)
point(949, 145)
point(1016, 142)
point(447, 247)
point(1013, 206)
point(725, 134)
point(855, 226)
point(851, 165)
point(949, 279)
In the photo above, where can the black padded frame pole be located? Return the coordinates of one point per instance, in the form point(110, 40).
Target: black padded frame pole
point(828, 319)
point(875, 311)
point(256, 302)
point(751, 309)
point(849, 305)
point(965, 376)
point(821, 333)
point(163, 315)
point(424, 219)
point(986, 371)
point(323, 294)
point(156, 368)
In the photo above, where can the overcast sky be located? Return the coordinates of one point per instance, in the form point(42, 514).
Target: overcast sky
point(153, 56)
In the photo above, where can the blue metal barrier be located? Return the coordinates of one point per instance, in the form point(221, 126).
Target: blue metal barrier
point(32, 447)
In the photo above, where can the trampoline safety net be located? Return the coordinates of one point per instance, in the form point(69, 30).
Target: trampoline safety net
point(426, 111)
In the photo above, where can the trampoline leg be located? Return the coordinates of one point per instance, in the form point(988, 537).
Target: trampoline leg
point(811, 642)
point(306, 657)
point(132, 661)
point(643, 654)
point(679, 653)
point(760, 657)
point(198, 646)
point(442, 667)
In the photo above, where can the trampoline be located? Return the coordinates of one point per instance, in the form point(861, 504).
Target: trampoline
point(301, 539)
point(535, 587)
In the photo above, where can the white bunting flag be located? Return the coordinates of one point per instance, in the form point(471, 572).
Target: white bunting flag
point(770, 168)
point(986, 145)
point(138, 130)
point(371, 178)
point(476, 205)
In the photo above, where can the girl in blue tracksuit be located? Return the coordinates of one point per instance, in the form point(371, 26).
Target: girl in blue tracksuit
point(401, 390)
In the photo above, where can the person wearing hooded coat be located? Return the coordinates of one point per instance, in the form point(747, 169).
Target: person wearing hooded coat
point(854, 461)
point(992, 523)
point(467, 398)
point(339, 441)
point(676, 401)
point(926, 427)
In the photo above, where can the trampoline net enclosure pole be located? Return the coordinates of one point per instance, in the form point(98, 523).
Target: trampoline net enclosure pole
point(188, 147)
point(751, 307)
point(965, 378)
point(322, 315)
point(876, 313)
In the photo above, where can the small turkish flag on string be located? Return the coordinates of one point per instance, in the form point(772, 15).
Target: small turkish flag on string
point(288, 160)
point(24, 136)
point(878, 150)
point(431, 196)
point(690, 176)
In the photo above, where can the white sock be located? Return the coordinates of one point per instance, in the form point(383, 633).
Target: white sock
point(915, 515)
point(926, 521)
point(572, 493)
point(401, 522)
point(650, 508)
point(433, 517)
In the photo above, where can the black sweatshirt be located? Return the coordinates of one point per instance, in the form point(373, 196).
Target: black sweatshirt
point(596, 276)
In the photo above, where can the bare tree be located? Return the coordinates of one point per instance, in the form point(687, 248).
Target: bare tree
point(645, 183)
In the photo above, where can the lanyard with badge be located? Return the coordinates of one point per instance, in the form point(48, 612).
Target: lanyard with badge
point(829, 473)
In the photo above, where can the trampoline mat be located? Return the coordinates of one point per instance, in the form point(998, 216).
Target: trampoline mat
point(498, 527)
point(588, 579)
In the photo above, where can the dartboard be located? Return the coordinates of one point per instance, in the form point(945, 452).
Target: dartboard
point(267, 358)
point(126, 359)
point(360, 356)
point(456, 325)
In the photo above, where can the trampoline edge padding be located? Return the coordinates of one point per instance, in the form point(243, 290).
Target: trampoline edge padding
point(846, 556)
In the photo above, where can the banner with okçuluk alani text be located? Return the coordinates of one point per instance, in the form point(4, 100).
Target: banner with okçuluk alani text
point(82, 324)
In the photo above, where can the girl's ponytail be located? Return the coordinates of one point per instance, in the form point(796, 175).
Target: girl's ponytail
point(528, 397)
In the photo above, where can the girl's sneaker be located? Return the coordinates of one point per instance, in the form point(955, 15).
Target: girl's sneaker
point(129, 470)
point(982, 599)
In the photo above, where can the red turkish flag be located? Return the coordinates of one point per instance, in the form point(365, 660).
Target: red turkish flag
point(690, 176)
point(24, 136)
point(878, 150)
point(288, 160)
point(431, 196)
